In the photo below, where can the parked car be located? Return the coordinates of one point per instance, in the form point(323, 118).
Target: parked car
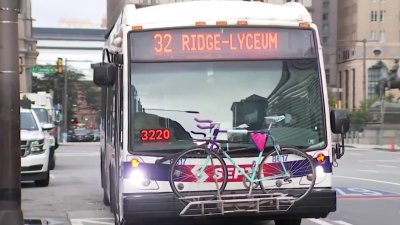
point(81, 135)
point(51, 135)
point(35, 149)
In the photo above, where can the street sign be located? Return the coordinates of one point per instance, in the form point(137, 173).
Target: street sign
point(43, 69)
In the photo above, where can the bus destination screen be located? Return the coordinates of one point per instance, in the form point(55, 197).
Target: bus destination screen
point(216, 43)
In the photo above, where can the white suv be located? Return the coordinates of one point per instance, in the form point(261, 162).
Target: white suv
point(35, 149)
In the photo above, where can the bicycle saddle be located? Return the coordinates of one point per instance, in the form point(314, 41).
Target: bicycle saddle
point(274, 119)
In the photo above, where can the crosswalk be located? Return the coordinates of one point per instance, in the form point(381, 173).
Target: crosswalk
point(328, 222)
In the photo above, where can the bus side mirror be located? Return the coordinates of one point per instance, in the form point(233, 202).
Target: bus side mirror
point(340, 121)
point(104, 74)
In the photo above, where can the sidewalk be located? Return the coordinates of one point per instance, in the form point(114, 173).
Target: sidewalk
point(374, 147)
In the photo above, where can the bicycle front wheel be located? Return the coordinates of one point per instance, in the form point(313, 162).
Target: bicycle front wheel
point(196, 173)
point(291, 172)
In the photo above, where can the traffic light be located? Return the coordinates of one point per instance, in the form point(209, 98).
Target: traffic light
point(59, 65)
point(20, 66)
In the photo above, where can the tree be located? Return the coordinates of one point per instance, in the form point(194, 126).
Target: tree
point(361, 116)
point(55, 83)
point(331, 100)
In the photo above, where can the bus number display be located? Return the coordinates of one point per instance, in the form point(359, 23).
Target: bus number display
point(221, 43)
point(216, 42)
point(155, 134)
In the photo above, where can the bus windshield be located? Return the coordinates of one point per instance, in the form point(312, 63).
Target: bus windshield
point(167, 96)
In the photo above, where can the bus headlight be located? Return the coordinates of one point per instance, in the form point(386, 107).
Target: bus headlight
point(137, 178)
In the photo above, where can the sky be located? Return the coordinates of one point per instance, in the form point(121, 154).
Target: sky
point(48, 13)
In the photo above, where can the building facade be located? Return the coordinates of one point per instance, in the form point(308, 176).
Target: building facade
point(27, 46)
point(325, 15)
point(368, 31)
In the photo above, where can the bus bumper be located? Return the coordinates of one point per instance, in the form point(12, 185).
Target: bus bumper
point(318, 204)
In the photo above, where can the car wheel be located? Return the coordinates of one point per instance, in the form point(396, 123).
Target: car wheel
point(52, 160)
point(45, 182)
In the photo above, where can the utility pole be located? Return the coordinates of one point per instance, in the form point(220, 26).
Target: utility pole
point(10, 159)
point(65, 116)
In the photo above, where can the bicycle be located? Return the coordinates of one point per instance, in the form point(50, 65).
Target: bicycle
point(205, 168)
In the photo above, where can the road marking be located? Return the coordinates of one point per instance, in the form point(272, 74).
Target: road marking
point(370, 180)
point(369, 171)
point(387, 166)
point(376, 197)
point(91, 221)
point(357, 154)
point(341, 222)
point(320, 222)
point(52, 177)
point(388, 160)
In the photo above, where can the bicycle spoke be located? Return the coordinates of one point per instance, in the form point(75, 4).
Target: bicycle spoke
point(298, 166)
point(193, 174)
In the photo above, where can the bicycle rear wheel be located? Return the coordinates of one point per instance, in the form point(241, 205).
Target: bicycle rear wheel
point(195, 172)
point(300, 177)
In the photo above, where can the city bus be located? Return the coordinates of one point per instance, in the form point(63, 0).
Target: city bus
point(234, 62)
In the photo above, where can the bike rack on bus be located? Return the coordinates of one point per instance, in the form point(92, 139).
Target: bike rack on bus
point(208, 205)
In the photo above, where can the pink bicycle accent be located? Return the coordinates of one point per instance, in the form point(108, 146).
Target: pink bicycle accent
point(259, 139)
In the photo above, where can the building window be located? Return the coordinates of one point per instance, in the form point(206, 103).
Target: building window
point(373, 80)
point(325, 16)
point(374, 16)
point(325, 28)
point(382, 36)
point(373, 36)
point(382, 15)
point(346, 55)
point(325, 39)
point(325, 4)
point(328, 76)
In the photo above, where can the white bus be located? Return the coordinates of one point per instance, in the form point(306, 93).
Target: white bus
point(234, 62)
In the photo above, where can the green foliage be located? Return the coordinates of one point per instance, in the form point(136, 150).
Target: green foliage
point(361, 115)
point(331, 99)
point(55, 83)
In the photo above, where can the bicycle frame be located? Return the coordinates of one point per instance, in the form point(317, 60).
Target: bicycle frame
point(255, 167)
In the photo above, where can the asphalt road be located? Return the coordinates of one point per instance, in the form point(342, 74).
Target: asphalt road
point(367, 181)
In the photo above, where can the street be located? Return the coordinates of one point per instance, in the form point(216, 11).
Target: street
point(367, 182)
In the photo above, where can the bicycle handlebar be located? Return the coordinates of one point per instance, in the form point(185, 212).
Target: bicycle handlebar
point(202, 121)
point(205, 126)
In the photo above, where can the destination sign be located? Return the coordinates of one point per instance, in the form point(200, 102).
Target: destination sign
point(216, 43)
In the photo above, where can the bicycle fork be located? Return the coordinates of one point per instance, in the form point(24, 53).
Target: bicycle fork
point(202, 169)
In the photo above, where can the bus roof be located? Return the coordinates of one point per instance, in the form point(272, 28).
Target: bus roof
point(193, 11)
